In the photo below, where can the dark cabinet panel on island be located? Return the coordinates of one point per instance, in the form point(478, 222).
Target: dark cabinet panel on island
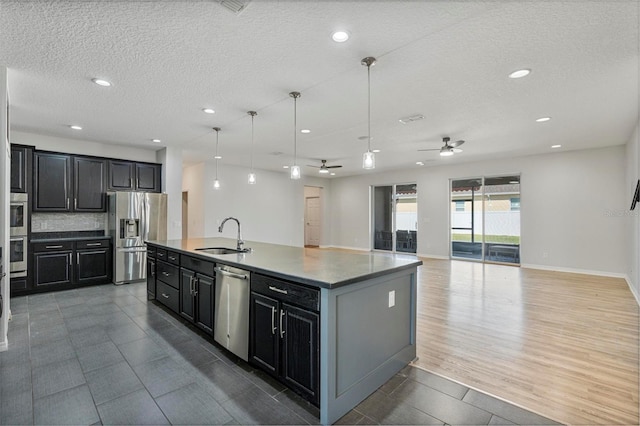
point(197, 292)
point(285, 338)
point(151, 275)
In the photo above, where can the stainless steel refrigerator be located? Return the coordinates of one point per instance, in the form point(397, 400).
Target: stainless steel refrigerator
point(134, 217)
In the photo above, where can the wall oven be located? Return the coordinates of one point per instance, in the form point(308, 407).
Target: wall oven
point(18, 215)
point(18, 256)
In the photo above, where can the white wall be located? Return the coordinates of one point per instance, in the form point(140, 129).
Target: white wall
point(74, 146)
point(270, 211)
point(193, 183)
point(171, 159)
point(5, 172)
point(633, 218)
point(569, 202)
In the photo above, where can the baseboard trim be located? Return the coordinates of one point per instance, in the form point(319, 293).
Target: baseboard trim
point(4, 345)
point(574, 270)
point(434, 256)
point(347, 248)
point(632, 288)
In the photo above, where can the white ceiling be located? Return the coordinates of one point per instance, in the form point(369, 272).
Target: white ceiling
point(446, 60)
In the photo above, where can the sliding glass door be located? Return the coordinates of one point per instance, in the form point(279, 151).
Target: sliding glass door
point(485, 219)
point(395, 218)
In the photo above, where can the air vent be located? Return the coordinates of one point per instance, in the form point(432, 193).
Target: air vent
point(411, 119)
point(236, 6)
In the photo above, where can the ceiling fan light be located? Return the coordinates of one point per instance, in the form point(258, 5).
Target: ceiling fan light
point(323, 171)
point(295, 172)
point(252, 179)
point(368, 160)
point(446, 153)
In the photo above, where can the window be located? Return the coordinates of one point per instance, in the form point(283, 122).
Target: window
point(515, 204)
point(459, 205)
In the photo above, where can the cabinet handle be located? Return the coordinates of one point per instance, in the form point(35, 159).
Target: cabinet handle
point(278, 290)
point(75, 203)
point(67, 203)
point(94, 244)
point(172, 258)
point(166, 274)
point(166, 296)
point(281, 327)
point(195, 286)
point(191, 284)
point(273, 320)
point(52, 247)
point(77, 258)
point(153, 273)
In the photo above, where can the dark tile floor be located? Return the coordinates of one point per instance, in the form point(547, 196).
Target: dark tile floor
point(105, 355)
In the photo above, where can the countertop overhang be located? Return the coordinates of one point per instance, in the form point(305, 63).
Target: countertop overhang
point(324, 268)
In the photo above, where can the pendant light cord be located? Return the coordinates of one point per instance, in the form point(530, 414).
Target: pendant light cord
point(295, 126)
point(369, 111)
point(252, 115)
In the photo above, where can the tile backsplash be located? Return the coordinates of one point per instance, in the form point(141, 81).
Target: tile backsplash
point(50, 222)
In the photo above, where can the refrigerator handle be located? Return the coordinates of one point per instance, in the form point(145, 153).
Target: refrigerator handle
point(146, 217)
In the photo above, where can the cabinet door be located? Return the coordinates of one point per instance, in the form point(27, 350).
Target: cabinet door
point(52, 268)
point(90, 187)
point(204, 302)
point(148, 177)
point(52, 182)
point(187, 279)
point(151, 278)
point(18, 169)
point(121, 175)
point(264, 337)
point(93, 266)
point(300, 351)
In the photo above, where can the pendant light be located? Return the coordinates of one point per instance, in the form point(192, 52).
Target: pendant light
point(368, 158)
point(252, 175)
point(216, 183)
point(295, 169)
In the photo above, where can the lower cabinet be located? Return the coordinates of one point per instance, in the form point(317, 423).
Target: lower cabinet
point(197, 293)
point(151, 276)
point(53, 268)
point(285, 338)
point(93, 262)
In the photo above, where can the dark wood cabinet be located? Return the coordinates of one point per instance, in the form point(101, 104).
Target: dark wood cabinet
point(52, 182)
point(93, 263)
point(151, 276)
point(130, 176)
point(90, 187)
point(20, 159)
point(284, 336)
point(197, 293)
point(53, 268)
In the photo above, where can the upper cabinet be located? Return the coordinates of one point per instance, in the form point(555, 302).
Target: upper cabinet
point(130, 176)
point(66, 183)
point(20, 161)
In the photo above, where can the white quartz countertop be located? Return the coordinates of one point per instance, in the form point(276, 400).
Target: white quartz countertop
point(324, 268)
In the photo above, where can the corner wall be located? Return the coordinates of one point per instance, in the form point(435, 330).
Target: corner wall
point(633, 218)
point(570, 208)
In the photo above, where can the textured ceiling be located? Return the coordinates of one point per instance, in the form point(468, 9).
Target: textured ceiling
point(446, 60)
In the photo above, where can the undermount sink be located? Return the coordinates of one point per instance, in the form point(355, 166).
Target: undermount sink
point(219, 250)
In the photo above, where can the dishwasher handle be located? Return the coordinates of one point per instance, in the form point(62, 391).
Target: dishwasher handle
point(231, 274)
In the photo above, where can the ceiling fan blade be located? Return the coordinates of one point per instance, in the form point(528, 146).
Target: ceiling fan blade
point(433, 149)
point(311, 165)
point(456, 150)
point(456, 143)
point(333, 167)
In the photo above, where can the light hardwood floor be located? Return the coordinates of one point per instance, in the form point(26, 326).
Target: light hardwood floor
point(559, 344)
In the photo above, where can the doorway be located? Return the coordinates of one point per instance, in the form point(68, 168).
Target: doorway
point(395, 218)
point(185, 215)
point(312, 216)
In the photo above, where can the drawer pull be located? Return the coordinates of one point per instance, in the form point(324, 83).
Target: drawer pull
point(172, 258)
point(94, 244)
point(278, 290)
point(166, 296)
point(52, 247)
point(166, 274)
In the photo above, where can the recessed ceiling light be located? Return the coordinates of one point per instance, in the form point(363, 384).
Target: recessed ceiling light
point(514, 182)
point(101, 82)
point(419, 163)
point(340, 36)
point(333, 174)
point(74, 127)
point(520, 73)
point(156, 140)
point(217, 157)
point(305, 131)
point(543, 119)
point(375, 150)
point(208, 110)
point(285, 167)
point(556, 146)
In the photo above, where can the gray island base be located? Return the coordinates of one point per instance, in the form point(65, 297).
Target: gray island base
point(367, 310)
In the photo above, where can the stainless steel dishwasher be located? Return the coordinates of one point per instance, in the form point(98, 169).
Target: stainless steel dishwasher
point(231, 325)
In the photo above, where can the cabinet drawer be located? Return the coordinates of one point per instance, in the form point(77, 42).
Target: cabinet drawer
point(52, 246)
point(167, 273)
point(197, 265)
point(151, 251)
point(285, 291)
point(167, 295)
point(173, 257)
point(161, 254)
point(91, 244)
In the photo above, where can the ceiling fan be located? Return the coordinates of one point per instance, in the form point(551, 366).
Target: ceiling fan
point(324, 168)
point(448, 148)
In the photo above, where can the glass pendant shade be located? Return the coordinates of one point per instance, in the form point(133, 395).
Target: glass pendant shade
point(252, 178)
point(295, 172)
point(368, 160)
point(216, 184)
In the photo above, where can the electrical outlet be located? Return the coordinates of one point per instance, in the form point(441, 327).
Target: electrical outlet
point(392, 298)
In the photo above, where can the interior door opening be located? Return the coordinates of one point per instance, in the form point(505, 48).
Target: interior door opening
point(312, 216)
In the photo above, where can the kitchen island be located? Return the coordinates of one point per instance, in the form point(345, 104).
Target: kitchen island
point(364, 314)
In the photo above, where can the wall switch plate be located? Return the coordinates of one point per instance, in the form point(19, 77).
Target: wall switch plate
point(392, 298)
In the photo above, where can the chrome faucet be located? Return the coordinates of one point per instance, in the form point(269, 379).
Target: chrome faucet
point(240, 242)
